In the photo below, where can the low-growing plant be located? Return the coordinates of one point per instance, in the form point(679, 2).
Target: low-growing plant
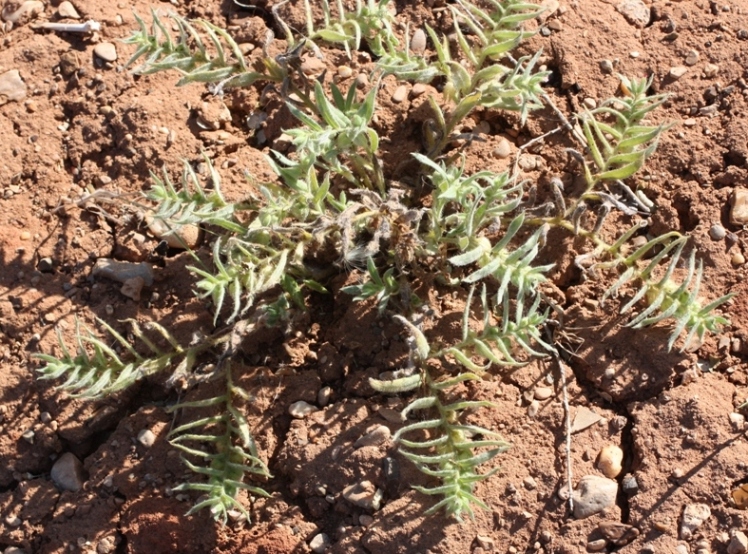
point(478, 234)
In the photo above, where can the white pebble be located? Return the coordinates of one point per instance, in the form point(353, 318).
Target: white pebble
point(146, 438)
point(301, 409)
point(374, 436)
point(694, 515)
point(319, 543)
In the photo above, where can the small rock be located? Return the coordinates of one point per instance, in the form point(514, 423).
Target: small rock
point(324, 396)
point(364, 495)
point(694, 515)
point(67, 10)
point(606, 66)
point(550, 7)
point(366, 520)
point(312, 66)
point(146, 437)
point(417, 90)
point(738, 543)
point(132, 288)
point(28, 436)
point(484, 542)
point(362, 81)
point(418, 42)
point(319, 543)
point(12, 87)
point(609, 461)
point(692, 57)
point(182, 237)
point(618, 533)
point(301, 409)
point(555, 25)
point(503, 149)
point(678, 71)
point(374, 436)
point(739, 207)
point(106, 546)
point(483, 128)
point(636, 12)
point(530, 483)
point(400, 94)
point(737, 421)
point(122, 271)
point(14, 550)
point(344, 72)
point(67, 473)
point(533, 408)
point(634, 54)
point(690, 122)
point(593, 494)
point(527, 162)
point(590, 103)
point(28, 10)
point(737, 259)
point(46, 265)
point(543, 393)
point(710, 70)
point(597, 545)
point(743, 34)
point(583, 419)
point(106, 51)
point(630, 485)
point(717, 232)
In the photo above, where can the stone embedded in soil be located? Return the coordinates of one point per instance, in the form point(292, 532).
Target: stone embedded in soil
point(319, 543)
point(737, 421)
point(583, 419)
point(12, 87)
point(593, 494)
point(739, 207)
point(717, 232)
point(694, 515)
point(678, 71)
point(606, 66)
point(618, 533)
point(738, 543)
point(67, 10)
point(146, 437)
point(324, 396)
point(597, 545)
point(636, 12)
point(400, 94)
point(692, 57)
point(26, 11)
point(609, 461)
point(46, 265)
point(629, 484)
point(176, 236)
point(106, 51)
point(122, 271)
point(543, 393)
point(503, 149)
point(301, 409)
point(132, 288)
point(364, 495)
point(485, 542)
point(374, 436)
point(418, 42)
point(67, 473)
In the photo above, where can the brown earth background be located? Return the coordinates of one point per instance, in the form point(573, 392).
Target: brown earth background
point(85, 125)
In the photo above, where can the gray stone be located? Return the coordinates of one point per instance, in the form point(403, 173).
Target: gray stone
point(146, 437)
point(319, 543)
point(364, 495)
point(67, 10)
point(374, 436)
point(301, 409)
point(717, 232)
point(694, 515)
point(67, 473)
point(12, 87)
point(636, 12)
point(738, 543)
point(122, 271)
point(678, 71)
point(593, 494)
point(106, 51)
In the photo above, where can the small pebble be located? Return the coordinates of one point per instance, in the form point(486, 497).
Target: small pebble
point(12, 87)
point(319, 543)
point(527, 162)
point(485, 542)
point(737, 421)
point(25, 235)
point(46, 265)
point(344, 72)
point(609, 461)
point(67, 10)
point(530, 483)
point(717, 232)
point(400, 94)
point(324, 396)
point(533, 408)
point(690, 122)
point(737, 259)
point(366, 520)
point(543, 393)
point(106, 51)
point(738, 543)
point(362, 81)
point(635, 12)
point(606, 66)
point(364, 495)
point(418, 42)
point(67, 473)
point(146, 437)
point(590, 103)
point(597, 545)
point(26, 11)
point(503, 149)
point(593, 494)
point(13, 521)
point(374, 436)
point(692, 57)
point(555, 25)
point(630, 485)
point(694, 515)
point(417, 90)
point(301, 409)
point(710, 70)
point(634, 54)
point(678, 71)
point(739, 207)
point(312, 66)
